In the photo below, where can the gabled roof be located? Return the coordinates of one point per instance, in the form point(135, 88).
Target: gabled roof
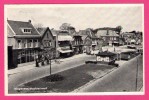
point(105, 28)
point(17, 27)
point(84, 37)
point(62, 35)
point(43, 31)
point(107, 33)
point(88, 32)
point(59, 32)
point(54, 32)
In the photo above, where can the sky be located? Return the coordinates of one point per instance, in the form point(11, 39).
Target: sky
point(130, 17)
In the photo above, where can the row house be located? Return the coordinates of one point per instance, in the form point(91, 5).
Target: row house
point(77, 44)
point(48, 43)
point(23, 42)
point(91, 42)
point(63, 42)
point(110, 37)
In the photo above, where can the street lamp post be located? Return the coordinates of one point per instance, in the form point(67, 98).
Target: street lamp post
point(50, 65)
point(50, 56)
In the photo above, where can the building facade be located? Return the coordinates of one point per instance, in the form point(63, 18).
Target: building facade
point(110, 37)
point(77, 44)
point(23, 42)
point(63, 43)
point(48, 43)
point(92, 43)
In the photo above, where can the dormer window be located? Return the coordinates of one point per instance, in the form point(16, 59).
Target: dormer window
point(27, 30)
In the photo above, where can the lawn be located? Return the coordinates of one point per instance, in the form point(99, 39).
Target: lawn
point(65, 81)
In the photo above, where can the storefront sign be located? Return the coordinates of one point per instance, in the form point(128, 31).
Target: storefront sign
point(105, 59)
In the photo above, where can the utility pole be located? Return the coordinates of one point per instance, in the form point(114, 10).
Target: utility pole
point(137, 75)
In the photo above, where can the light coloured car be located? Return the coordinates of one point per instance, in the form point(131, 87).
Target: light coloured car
point(95, 52)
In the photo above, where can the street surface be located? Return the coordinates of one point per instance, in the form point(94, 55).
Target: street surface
point(23, 77)
point(121, 80)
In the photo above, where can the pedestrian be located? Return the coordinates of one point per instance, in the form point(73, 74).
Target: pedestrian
point(42, 60)
point(47, 59)
point(37, 64)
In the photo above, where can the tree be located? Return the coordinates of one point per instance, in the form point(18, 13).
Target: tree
point(118, 28)
point(67, 27)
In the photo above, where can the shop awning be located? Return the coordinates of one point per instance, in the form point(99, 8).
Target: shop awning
point(65, 51)
point(65, 38)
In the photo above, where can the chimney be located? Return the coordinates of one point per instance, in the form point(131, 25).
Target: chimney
point(29, 21)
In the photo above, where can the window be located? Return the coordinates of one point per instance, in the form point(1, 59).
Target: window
point(24, 44)
point(50, 44)
point(104, 38)
point(30, 43)
point(27, 30)
point(111, 38)
point(36, 43)
point(19, 44)
point(47, 43)
point(114, 38)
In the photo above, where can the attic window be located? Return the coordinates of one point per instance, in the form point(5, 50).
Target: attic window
point(27, 30)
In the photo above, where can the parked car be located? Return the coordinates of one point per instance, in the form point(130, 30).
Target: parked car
point(128, 55)
point(94, 52)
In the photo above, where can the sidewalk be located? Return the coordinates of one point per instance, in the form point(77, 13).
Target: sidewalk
point(31, 65)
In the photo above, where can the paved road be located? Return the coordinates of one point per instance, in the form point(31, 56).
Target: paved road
point(26, 76)
point(122, 79)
